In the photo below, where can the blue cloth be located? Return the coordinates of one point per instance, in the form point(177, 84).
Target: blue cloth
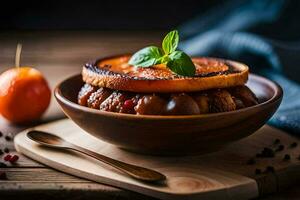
point(225, 31)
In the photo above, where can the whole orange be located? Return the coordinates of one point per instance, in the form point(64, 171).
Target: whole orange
point(24, 94)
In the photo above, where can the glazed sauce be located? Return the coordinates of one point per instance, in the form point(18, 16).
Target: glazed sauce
point(204, 67)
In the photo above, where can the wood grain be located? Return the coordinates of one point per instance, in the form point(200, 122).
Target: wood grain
point(222, 174)
point(64, 190)
point(43, 175)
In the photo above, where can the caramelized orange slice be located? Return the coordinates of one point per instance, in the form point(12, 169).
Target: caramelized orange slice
point(115, 73)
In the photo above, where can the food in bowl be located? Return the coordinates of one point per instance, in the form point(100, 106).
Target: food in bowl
point(164, 90)
point(171, 135)
point(166, 82)
point(226, 90)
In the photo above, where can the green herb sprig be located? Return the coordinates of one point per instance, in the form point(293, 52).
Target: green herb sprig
point(177, 61)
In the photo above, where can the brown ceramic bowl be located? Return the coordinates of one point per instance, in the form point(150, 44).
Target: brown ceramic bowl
point(171, 135)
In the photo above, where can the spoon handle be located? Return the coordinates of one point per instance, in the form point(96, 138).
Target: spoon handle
point(134, 171)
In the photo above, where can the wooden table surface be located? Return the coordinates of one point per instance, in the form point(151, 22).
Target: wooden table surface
point(58, 55)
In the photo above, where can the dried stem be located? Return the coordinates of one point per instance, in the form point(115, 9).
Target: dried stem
point(18, 55)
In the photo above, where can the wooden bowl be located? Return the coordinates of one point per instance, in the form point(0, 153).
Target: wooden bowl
point(171, 135)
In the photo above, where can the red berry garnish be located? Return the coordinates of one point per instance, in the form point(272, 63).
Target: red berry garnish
point(128, 104)
point(14, 159)
point(7, 157)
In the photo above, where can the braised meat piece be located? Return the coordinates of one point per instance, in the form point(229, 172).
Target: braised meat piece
point(238, 102)
point(182, 104)
point(120, 102)
point(97, 97)
point(221, 101)
point(151, 105)
point(85, 93)
point(202, 101)
point(245, 95)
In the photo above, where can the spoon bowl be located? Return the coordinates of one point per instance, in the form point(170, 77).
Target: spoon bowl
point(47, 139)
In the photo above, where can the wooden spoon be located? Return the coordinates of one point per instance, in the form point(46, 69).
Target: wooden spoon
point(134, 171)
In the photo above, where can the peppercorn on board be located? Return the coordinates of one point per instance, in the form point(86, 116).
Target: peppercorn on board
point(263, 163)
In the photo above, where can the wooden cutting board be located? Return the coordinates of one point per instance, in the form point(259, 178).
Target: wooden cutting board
point(220, 175)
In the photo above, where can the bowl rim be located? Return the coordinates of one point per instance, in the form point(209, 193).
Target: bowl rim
point(278, 93)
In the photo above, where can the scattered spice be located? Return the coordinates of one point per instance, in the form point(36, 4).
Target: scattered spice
point(7, 157)
point(11, 158)
point(276, 141)
point(287, 157)
point(2, 165)
point(266, 153)
point(294, 144)
point(14, 159)
point(6, 150)
point(7, 138)
point(3, 176)
point(257, 171)
point(280, 148)
point(251, 161)
point(270, 169)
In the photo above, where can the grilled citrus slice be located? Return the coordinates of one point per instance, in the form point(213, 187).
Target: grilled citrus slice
point(115, 73)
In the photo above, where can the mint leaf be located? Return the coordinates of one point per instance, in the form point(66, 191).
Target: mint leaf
point(170, 42)
point(177, 61)
point(146, 57)
point(180, 63)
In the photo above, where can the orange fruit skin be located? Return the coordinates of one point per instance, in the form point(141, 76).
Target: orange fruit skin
point(24, 94)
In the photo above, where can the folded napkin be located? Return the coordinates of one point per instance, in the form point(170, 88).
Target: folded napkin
point(228, 31)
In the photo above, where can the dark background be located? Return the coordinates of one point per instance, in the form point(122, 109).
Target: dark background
point(103, 15)
point(128, 15)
